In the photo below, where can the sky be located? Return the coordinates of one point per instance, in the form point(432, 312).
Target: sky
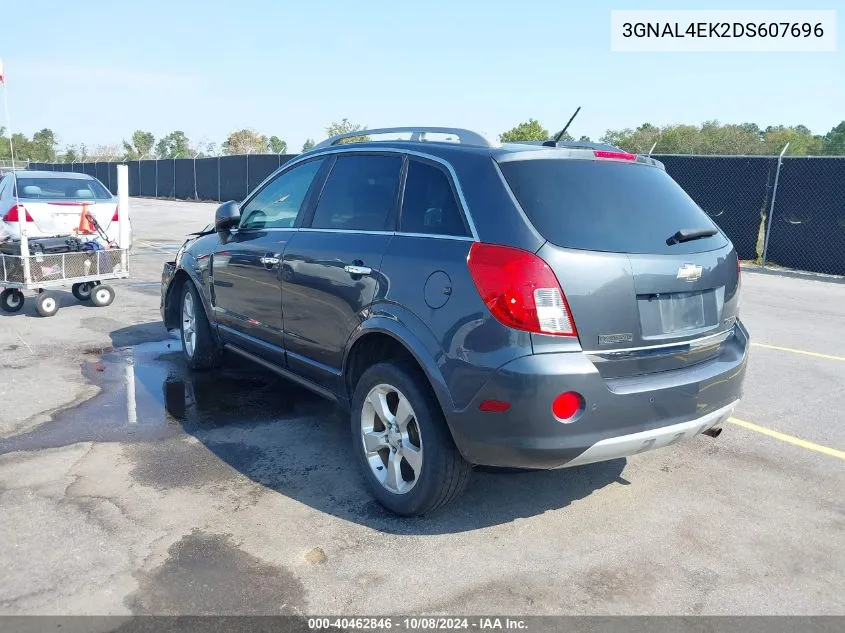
point(93, 71)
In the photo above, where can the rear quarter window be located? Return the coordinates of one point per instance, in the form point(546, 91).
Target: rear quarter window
point(607, 206)
point(429, 206)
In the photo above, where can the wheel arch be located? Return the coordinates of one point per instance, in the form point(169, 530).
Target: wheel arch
point(173, 298)
point(382, 338)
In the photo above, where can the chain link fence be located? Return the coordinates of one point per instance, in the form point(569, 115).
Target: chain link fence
point(788, 212)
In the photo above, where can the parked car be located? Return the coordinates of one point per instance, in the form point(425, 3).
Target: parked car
point(472, 303)
point(51, 203)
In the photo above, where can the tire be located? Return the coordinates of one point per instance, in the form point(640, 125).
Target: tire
point(198, 344)
point(102, 295)
point(11, 300)
point(46, 304)
point(441, 474)
point(82, 291)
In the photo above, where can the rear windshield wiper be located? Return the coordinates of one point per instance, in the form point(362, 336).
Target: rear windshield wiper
point(688, 235)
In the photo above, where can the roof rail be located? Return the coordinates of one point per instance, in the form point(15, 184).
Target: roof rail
point(465, 137)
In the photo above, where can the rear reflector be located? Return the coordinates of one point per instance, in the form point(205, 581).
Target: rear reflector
point(13, 214)
point(600, 153)
point(520, 289)
point(566, 405)
point(494, 406)
point(114, 218)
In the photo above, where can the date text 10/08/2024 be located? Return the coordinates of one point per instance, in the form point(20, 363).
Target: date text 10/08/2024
point(418, 624)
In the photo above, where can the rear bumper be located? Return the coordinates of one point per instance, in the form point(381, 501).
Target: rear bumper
point(12, 231)
point(621, 417)
point(626, 445)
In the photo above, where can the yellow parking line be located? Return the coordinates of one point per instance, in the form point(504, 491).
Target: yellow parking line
point(783, 437)
point(798, 351)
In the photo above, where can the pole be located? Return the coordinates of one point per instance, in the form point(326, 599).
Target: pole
point(772, 207)
point(21, 220)
point(248, 152)
point(196, 193)
point(131, 403)
point(652, 148)
point(218, 180)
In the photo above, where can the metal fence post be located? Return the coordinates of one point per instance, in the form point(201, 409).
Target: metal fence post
point(218, 180)
point(196, 193)
point(772, 206)
point(156, 162)
point(247, 171)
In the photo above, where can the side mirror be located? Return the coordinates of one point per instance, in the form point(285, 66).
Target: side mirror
point(227, 215)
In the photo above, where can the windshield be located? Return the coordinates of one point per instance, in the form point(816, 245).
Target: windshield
point(50, 188)
point(608, 206)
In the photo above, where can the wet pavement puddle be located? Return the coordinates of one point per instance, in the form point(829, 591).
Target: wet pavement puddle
point(196, 429)
point(148, 393)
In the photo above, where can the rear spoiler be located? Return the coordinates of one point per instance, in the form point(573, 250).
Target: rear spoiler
point(578, 151)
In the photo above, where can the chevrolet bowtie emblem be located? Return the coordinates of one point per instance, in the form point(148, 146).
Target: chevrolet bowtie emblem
point(689, 272)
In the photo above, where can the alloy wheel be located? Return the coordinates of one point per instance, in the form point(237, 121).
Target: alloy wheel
point(189, 324)
point(391, 439)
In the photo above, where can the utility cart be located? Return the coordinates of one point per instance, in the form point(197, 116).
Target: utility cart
point(82, 262)
point(83, 271)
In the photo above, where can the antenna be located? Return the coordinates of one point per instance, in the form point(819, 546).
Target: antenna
point(563, 131)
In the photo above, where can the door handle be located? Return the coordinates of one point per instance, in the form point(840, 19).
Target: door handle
point(358, 270)
point(269, 261)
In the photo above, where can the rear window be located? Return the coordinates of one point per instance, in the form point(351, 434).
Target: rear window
point(61, 188)
point(607, 206)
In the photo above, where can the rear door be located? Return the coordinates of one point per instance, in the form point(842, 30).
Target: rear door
point(632, 281)
point(246, 285)
point(55, 203)
point(331, 266)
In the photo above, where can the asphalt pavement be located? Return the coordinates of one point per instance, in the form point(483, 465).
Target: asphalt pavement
point(130, 485)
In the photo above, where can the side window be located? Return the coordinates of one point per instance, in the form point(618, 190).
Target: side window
point(277, 205)
point(360, 194)
point(429, 205)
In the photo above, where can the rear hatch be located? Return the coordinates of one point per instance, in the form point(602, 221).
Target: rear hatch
point(650, 280)
point(55, 204)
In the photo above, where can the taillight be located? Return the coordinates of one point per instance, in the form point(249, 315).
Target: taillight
point(601, 153)
point(520, 289)
point(738, 272)
point(13, 214)
point(114, 218)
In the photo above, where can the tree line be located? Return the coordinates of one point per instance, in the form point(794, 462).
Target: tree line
point(711, 137)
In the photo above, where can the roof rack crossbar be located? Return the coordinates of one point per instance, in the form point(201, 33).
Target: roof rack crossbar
point(465, 137)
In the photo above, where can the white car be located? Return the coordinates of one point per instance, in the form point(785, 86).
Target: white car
point(51, 204)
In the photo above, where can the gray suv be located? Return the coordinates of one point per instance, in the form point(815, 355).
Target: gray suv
point(473, 303)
